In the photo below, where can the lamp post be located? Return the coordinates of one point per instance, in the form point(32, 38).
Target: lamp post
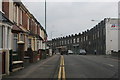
point(46, 32)
point(93, 20)
point(45, 14)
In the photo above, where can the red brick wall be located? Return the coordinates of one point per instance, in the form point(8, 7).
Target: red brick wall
point(5, 8)
point(24, 20)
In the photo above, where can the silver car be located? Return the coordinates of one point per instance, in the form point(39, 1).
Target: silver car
point(82, 51)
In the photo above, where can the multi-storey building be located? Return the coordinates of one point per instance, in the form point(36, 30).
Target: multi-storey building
point(17, 24)
point(5, 37)
point(103, 37)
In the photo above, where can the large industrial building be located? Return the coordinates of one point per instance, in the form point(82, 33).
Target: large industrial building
point(103, 38)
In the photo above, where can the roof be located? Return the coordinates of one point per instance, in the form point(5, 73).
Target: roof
point(4, 19)
point(16, 29)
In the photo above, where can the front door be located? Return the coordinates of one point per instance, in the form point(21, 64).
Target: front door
point(3, 63)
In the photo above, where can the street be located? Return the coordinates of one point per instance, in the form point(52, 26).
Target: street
point(85, 66)
point(75, 66)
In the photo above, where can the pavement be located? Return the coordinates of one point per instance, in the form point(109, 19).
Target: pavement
point(44, 69)
point(64, 67)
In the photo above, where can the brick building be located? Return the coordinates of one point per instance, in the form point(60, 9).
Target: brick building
point(103, 37)
point(19, 26)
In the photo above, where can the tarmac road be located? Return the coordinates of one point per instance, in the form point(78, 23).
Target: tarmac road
point(70, 66)
point(90, 66)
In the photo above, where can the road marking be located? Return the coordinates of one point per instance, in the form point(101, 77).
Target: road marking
point(61, 73)
point(109, 65)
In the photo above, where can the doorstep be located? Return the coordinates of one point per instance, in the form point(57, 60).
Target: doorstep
point(17, 69)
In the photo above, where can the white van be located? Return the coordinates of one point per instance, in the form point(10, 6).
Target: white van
point(70, 52)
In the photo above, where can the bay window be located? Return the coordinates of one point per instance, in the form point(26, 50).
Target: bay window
point(5, 37)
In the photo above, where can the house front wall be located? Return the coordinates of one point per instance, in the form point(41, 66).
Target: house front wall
point(11, 10)
point(1, 5)
point(5, 8)
point(5, 45)
point(6, 33)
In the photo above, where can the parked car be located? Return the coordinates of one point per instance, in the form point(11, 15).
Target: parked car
point(70, 52)
point(82, 52)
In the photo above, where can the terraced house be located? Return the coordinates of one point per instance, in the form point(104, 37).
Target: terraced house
point(22, 38)
point(103, 38)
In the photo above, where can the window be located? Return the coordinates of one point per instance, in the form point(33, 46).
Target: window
point(37, 45)
point(93, 36)
point(22, 37)
point(8, 37)
point(86, 38)
point(20, 16)
point(15, 13)
point(1, 37)
point(28, 24)
point(98, 34)
point(104, 31)
point(15, 39)
point(4, 37)
point(73, 40)
point(81, 40)
point(77, 40)
point(65, 41)
point(68, 41)
point(62, 42)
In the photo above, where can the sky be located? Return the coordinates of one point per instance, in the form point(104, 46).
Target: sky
point(71, 17)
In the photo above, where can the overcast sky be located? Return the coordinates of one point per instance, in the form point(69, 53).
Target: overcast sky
point(66, 18)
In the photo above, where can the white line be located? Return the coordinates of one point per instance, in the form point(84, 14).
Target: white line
point(110, 65)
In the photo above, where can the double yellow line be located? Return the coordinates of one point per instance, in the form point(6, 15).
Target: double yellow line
point(61, 74)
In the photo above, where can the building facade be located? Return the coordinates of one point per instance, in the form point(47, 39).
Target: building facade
point(103, 38)
point(17, 25)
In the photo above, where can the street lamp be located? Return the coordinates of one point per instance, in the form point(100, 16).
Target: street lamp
point(93, 20)
point(46, 32)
